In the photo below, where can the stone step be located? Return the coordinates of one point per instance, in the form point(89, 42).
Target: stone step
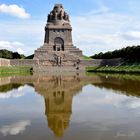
point(57, 69)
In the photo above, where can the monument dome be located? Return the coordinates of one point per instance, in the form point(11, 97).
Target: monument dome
point(58, 15)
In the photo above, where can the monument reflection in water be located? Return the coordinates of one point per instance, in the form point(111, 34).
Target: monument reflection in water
point(75, 107)
point(58, 92)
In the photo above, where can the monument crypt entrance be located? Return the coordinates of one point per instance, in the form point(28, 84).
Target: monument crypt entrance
point(59, 44)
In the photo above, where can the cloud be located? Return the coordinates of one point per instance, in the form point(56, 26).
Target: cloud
point(15, 128)
point(102, 8)
point(20, 51)
point(132, 35)
point(13, 46)
point(134, 104)
point(128, 134)
point(12, 94)
point(106, 31)
point(29, 33)
point(8, 44)
point(14, 10)
point(107, 101)
point(117, 99)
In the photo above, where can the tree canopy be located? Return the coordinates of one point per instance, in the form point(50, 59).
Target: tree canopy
point(10, 55)
point(129, 53)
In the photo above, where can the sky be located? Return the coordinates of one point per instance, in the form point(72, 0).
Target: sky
point(98, 25)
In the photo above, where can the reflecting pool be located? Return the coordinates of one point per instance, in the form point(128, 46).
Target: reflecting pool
point(70, 107)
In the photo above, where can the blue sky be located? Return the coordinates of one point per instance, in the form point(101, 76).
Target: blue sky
point(98, 25)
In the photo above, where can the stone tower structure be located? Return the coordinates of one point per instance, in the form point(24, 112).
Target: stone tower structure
point(58, 48)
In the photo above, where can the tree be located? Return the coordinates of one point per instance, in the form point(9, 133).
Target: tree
point(130, 54)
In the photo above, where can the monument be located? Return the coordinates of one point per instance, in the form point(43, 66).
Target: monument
point(58, 49)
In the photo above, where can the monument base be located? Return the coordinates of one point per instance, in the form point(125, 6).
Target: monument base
point(58, 69)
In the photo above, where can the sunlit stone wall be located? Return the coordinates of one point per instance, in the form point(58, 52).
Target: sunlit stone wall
point(83, 63)
point(4, 62)
point(23, 62)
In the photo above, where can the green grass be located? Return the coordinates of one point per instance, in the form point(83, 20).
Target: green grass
point(87, 57)
point(115, 69)
point(14, 70)
point(126, 76)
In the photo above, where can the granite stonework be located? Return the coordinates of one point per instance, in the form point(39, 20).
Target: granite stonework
point(23, 62)
point(83, 64)
point(58, 48)
point(4, 62)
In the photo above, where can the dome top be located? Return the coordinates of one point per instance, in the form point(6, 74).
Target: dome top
point(58, 15)
point(58, 7)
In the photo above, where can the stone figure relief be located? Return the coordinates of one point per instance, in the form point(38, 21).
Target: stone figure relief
point(66, 17)
point(55, 15)
point(57, 60)
point(60, 60)
point(58, 13)
point(61, 14)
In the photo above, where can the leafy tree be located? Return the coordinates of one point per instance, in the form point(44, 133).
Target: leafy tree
point(130, 54)
point(10, 55)
point(30, 56)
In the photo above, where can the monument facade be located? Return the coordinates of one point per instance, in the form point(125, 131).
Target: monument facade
point(58, 48)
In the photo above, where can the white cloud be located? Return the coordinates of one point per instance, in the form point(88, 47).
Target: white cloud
point(134, 104)
point(20, 51)
point(106, 31)
point(132, 35)
point(108, 97)
point(29, 33)
point(6, 44)
point(21, 88)
point(13, 46)
point(18, 43)
point(128, 134)
point(15, 128)
point(12, 94)
point(102, 8)
point(14, 10)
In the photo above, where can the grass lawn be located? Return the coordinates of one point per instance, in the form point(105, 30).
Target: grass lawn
point(115, 69)
point(87, 57)
point(14, 70)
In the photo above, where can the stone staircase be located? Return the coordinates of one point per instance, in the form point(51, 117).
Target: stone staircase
point(57, 69)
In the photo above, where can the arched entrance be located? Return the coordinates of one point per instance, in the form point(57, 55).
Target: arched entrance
point(58, 44)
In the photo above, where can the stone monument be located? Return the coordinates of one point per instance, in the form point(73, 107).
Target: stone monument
point(58, 49)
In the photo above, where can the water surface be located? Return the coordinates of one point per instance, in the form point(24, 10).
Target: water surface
point(74, 107)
